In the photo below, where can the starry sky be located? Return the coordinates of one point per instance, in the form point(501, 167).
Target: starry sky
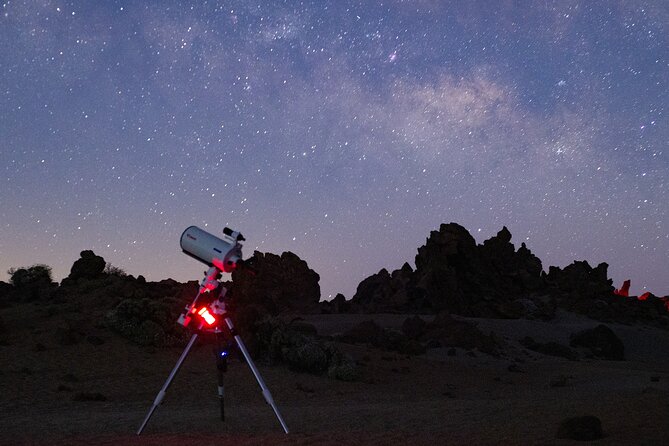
point(343, 131)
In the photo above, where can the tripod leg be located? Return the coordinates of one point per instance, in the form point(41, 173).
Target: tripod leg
point(161, 394)
point(222, 366)
point(265, 391)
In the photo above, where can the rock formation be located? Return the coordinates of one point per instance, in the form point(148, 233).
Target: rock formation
point(276, 284)
point(89, 266)
point(455, 275)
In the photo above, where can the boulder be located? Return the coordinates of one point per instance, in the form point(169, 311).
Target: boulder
point(580, 281)
point(384, 292)
point(450, 332)
point(601, 341)
point(337, 305)
point(276, 284)
point(89, 266)
point(549, 348)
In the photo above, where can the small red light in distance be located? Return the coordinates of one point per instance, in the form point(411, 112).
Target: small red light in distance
point(206, 315)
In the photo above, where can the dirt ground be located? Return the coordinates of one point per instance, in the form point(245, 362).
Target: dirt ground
point(98, 394)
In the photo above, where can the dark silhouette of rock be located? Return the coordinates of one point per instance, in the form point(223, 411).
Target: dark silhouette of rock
point(337, 305)
point(582, 428)
point(580, 282)
point(443, 278)
point(454, 274)
point(384, 292)
point(601, 341)
point(89, 266)
point(276, 284)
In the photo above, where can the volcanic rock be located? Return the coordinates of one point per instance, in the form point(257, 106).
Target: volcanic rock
point(276, 284)
point(335, 306)
point(579, 282)
point(89, 266)
point(454, 274)
point(601, 341)
point(549, 348)
point(450, 332)
point(384, 292)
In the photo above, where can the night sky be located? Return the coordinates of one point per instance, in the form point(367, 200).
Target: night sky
point(341, 131)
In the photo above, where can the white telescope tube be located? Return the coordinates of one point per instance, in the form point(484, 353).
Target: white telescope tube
point(211, 250)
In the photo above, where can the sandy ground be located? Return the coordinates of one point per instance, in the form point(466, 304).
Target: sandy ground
point(426, 400)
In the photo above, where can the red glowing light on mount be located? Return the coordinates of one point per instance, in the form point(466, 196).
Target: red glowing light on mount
point(206, 315)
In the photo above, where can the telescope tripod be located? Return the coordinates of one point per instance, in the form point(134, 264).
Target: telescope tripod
point(218, 307)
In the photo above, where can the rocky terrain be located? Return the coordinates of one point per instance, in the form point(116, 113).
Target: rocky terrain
point(477, 344)
point(455, 275)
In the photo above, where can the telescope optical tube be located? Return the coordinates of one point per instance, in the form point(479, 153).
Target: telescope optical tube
point(211, 250)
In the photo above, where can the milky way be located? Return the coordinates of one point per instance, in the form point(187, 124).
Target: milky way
point(342, 131)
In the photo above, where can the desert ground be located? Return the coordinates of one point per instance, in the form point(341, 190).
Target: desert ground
point(98, 390)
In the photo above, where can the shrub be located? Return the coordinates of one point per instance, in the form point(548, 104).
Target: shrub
point(281, 342)
point(38, 274)
point(146, 322)
point(112, 270)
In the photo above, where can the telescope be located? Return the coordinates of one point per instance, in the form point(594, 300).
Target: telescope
point(208, 314)
point(225, 254)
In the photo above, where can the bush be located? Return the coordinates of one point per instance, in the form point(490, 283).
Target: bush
point(38, 274)
point(112, 270)
point(146, 322)
point(281, 342)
